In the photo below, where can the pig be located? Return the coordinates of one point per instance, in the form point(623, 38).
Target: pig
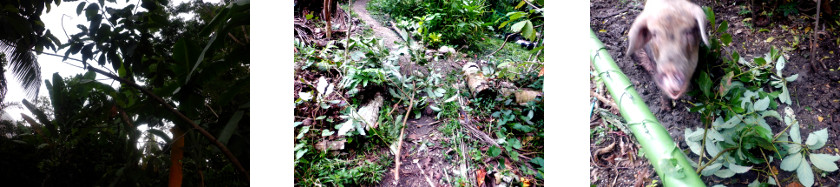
point(670, 32)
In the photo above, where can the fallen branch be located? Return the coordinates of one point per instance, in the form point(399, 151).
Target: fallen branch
point(206, 134)
point(399, 145)
point(503, 45)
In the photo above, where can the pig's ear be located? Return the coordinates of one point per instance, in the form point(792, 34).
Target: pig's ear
point(639, 34)
point(700, 16)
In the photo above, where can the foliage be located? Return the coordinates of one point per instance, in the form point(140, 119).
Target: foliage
point(439, 22)
point(91, 137)
point(737, 136)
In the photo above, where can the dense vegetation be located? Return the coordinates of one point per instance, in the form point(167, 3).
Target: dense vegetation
point(190, 76)
point(426, 106)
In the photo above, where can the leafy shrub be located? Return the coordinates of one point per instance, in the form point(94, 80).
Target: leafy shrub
point(439, 22)
point(737, 135)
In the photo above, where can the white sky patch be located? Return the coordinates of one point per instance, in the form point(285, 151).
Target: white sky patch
point(52, 64)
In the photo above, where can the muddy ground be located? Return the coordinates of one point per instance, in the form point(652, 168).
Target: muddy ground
point(816, 94)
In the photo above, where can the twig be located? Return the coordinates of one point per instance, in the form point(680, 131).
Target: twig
point(776, 178)
point(424, 175)
point(604, 100)
point(206, 134)
point(503, 44)
point(399, 145)
point(715, 158)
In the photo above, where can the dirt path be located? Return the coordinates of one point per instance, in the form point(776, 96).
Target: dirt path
point(415, 156)
point(384, 33)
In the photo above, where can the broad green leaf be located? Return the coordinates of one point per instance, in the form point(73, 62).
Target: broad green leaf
point(792, 78)
point(230, 127)
point(517, 27)
point(771, 113)
point(824, 162)
point(817, 139)
point(327, 132)
point(705, 83)
point(712, 147)
point(161, 135)
point(726, 39)
point(80, 7)
point(794, 132)
point(303, 131)
point(739, 169)
point(784, 97)
point(735, 120)
point(761, 104)
point(805, 174)
point(724, 25)
point(711, 169)
point(791, 162)
point(494, 151)
point(92, 10)
point(300, 153)
point(724, 173)
point(780, 64)
point(793, 148)
point(538, 161)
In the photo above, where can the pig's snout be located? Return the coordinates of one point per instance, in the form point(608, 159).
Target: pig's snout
point(673, 83)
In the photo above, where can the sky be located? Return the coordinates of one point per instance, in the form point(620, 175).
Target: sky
point(51, 64)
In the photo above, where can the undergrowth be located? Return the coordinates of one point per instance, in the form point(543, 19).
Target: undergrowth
point(739, 110)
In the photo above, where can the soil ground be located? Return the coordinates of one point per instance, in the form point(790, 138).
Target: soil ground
point(815, 94)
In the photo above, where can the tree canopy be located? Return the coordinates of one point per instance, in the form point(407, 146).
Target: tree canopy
point(187, 75)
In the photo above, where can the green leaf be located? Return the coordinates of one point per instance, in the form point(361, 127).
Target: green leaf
point(230, 127)
point(494, 151)
point(824, 162)
point(92, 10)
point(792, 78)
point(300, 153)
point(724, 173)
point(162, 135)
point(705, 83)
point(724, 25)
point(528, 31)
point(517, 27)
point(327, 132)
point(726, 39)
point(805, 174)
point(80, 7)
point(761, 104)
point(794, 132)
point(711, 169)
point(791, 162)
point(538, 161)
point(771, 113)
point(735, 120)
point(739, 168)
point(710, 15)
point(515, 143)
point(521, 3)
point(780, 64)
point(817, 139)
point(303, 131)
point(784, 97)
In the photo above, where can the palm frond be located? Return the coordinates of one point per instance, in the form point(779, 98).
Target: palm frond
point(24, 66)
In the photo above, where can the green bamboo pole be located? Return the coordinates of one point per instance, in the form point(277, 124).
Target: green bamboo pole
point(667, 159)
